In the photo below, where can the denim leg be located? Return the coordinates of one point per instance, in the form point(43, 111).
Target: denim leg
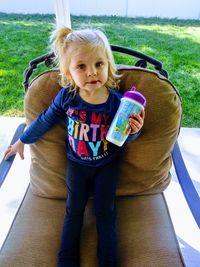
point(78, 190)
point(105, 211)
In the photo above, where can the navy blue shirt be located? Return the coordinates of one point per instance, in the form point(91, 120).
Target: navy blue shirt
point(86, 126)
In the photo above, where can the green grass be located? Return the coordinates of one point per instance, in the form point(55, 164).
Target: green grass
point(174, 42)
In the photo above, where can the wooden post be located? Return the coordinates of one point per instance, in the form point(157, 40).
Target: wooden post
point(62, 11)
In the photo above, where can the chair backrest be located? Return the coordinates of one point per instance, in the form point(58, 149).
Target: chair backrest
point(147, 161)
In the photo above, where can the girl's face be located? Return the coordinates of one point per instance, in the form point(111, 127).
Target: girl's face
point(88, 68)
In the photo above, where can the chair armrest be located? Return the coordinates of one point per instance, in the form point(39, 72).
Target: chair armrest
point(5, 165)
point(186, 184)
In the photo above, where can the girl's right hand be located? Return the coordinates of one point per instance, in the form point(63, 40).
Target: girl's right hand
point(18, 147)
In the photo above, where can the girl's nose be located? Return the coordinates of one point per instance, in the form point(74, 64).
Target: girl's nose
point(92, 71)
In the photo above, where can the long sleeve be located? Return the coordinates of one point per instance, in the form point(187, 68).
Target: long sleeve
point(46, 120)
point(133, 137)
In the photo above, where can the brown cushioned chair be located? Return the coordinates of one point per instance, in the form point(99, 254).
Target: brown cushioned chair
point(145, 231)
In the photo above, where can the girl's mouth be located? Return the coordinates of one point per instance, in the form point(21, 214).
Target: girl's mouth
point(93, 82)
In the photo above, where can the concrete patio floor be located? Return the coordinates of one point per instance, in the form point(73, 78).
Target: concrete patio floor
point(188, 234)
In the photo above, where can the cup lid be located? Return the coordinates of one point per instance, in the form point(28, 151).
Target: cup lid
point(135, 95)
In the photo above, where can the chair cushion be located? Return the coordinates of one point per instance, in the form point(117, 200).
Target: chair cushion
point(145, 234)
point(146, 162)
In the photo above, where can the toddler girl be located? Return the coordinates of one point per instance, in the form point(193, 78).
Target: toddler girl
point(87, 102)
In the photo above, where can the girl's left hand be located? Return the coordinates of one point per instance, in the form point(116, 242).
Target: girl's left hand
point(136, 122)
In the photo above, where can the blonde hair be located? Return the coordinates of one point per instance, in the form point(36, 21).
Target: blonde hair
point(63, 39)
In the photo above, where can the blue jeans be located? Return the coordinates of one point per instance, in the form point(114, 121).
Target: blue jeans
point(80, 180)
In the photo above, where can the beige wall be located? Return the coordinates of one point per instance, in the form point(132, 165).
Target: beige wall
point(183, 9)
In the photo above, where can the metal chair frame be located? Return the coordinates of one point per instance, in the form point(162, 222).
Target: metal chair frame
point(185, 181)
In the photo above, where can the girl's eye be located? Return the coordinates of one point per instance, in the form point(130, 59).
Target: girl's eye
point(99, 64)
point(81, 67)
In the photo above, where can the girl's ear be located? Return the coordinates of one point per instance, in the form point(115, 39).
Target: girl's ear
point(68, 75)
